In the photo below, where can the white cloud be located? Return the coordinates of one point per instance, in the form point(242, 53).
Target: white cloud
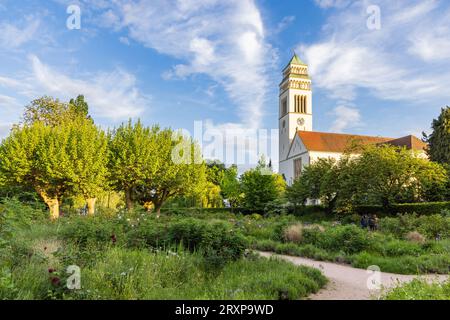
point(111, 95)
point(8, 102)
point(284, 23)
point(332, 3)
point(224, 40)
point(13, 36)
point(345, 117)
point(4, 129)
point(403, 61)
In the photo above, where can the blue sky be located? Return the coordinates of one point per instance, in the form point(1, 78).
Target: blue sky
point(175, 62)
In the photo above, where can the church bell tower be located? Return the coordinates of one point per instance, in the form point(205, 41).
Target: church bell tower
point(295, 104)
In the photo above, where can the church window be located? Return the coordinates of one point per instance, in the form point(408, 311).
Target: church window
point(297, 108)
point(284, 107)
point(297, 167)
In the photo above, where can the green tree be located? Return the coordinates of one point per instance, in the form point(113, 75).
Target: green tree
point(79, 106)
point(215, 171)
point(261, 186)
point(52, 112)
point(132, 147)
point(35, 156)
point(231, 187)
point(179, 171)
point(319, 180)
point(87, 153)
point(439, 140)
point(56, 161)
point(386, 174)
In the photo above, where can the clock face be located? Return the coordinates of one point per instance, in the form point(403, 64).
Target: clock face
point(300, 121)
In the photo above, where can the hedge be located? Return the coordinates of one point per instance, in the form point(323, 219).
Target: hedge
point(426, 208)
point(244, 211)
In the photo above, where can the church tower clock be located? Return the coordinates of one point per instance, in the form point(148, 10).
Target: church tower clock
point(295, 104)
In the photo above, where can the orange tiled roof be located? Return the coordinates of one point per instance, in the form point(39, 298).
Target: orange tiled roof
point(337, 142)
point(410, 142)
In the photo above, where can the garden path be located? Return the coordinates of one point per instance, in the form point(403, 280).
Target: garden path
point(348, 283)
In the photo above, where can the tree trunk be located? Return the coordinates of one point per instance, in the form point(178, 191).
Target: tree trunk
point(158, 209)
point(91, 205)
point(52, 203)
point(128, 200)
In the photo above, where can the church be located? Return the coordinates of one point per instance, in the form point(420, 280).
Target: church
point(299, 145)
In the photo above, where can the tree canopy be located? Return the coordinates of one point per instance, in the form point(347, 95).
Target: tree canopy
point(439, 139)
point(261, 186)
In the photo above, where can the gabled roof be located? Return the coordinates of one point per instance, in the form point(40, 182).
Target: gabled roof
point(337, 142)
point(410, 142)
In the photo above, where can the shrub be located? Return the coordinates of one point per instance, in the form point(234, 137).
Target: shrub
point(397, 248)
point(414, 236)
point(217, 240)
point(83, 230)
point(349, 239)
point(434, 226)
point(276, 207)
point(427, 208)
point(431, 226)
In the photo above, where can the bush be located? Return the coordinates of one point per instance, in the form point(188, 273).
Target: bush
point(276, 207)
point(217, 240)
point(431, 226)
point(349, 239)
point(397, 248)
point(426, 208)
point(93, 229)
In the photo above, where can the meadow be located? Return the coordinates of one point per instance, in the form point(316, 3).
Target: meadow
point(198, 254)
point(137, 256)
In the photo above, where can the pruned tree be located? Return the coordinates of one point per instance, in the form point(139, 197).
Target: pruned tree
point(87, 152)
point(35, 156)
point(132, 148)
point(179, 169)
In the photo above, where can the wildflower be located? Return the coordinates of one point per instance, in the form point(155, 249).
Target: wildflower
point(51, 270)
point(113, 238)
point(123, 274)
point(55, 281)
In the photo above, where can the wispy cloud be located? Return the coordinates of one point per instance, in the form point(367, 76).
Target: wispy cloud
point(403, 61)
point(111, 95)
point(14, 35)
point(332, 3)
point(345, 117)
point(224, 40)
point(4, 129)
point(284, 23)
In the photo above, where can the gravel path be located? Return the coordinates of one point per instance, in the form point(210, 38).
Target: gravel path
point(348, 283)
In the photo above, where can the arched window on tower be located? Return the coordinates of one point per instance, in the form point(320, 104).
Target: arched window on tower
point(296, 103)
point(284, 107)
